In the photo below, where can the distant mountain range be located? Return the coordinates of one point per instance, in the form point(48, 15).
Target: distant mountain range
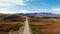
point(43, 14)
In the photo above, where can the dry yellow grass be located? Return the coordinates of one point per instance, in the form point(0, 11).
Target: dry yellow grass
point(8, 21)
point(45, 26)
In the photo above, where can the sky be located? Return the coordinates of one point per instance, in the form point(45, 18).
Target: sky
point(29, 6)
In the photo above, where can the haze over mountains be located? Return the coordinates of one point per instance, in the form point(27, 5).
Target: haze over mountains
point(42, 14)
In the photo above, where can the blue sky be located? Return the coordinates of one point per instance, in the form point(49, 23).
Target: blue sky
point(29, 6)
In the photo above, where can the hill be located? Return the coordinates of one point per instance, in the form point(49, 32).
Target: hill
point(11, 18)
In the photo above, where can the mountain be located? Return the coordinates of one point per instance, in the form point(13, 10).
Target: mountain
point(42, 14)
point(1, 14)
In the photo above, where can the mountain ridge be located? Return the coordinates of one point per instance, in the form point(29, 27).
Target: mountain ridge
point(43, 14)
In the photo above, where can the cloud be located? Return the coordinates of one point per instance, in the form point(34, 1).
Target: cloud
point(20, 2)
point(28, 0)
point(55, 9)
point(7, 6)
point(11, 2)
point(24, 11)
point(52, 10)
point(5, 10)
point(44, 10)
point(8, 11)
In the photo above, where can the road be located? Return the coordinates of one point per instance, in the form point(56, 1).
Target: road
point(27, 29)
point(24, 29)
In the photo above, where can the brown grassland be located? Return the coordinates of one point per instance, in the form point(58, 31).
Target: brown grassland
point(39, 25)
point(45, 25)
point(10, 22)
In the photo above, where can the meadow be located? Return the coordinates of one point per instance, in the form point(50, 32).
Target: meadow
point(45, 25)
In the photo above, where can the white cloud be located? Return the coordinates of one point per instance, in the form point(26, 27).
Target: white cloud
point(11, 2)
point(5, 4)
point(55, 9)
point(5, 10)
point(20, 2)
point(8, 11)
point(52, 10)
point(24, 11)
point(44, 10)
point(28, 0)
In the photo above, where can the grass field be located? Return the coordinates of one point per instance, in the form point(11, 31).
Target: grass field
point(11, 22)
point(45, 25)
point(39, 25)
